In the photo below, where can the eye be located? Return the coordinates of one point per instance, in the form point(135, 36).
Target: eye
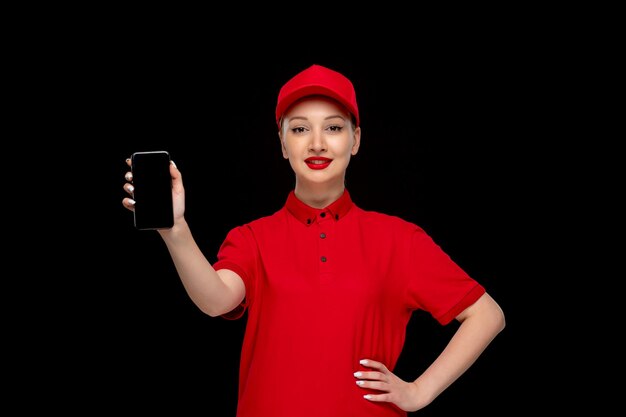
point(335, 128)
point(298, 129)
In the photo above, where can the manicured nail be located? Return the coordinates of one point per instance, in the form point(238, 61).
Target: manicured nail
point(368, 396)
point(127, 159)
point(360, 382)
point(131, 201)
point(363, 361)
point(358, 374)
point(131, 188)
point(173, 163)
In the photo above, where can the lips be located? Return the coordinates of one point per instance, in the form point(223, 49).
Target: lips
point(318, 162)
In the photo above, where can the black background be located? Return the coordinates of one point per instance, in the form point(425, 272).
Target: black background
point(449, 142)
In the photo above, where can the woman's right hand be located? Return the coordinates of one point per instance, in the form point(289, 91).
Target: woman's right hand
point(178, 191)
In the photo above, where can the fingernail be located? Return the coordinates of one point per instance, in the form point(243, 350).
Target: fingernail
point(131, 188)
point(128, 176)
point(127, 159)
point(360, 382)
point(367, 396)
point(131, 201)
point(358, 374)
point(173, 163)
point(363, 361)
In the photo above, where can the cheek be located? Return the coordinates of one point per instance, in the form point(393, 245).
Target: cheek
point(293, 147)
point(347, 149)
point(289, 149)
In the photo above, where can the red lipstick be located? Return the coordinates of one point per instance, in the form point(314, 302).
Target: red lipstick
point(318, 162)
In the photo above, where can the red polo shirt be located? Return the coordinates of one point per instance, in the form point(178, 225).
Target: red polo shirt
point(326, 288)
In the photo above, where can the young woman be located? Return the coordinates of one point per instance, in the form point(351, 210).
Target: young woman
point(329, 288)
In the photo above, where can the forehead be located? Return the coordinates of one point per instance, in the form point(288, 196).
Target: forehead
point(316, 104)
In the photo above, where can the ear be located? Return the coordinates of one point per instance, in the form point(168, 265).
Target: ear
point(356, 138)
point(282, 145)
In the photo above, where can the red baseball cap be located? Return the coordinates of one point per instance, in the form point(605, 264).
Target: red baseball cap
point(317, 80)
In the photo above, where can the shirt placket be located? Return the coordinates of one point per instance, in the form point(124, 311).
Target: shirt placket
point(325, 229)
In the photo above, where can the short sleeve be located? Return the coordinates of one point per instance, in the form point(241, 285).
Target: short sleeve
point(239, 253)
point(436, 283)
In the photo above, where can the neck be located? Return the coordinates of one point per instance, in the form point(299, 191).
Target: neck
point(319, 195)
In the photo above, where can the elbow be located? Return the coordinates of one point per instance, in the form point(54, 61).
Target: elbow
point(212, 312)
point(494, 314)
point(491, 315)
point(501, 321)
point(209, 310)
point(498, 318)
point(216, 310)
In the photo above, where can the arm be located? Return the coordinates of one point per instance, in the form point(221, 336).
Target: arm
point(480, 323)
point(214, 292)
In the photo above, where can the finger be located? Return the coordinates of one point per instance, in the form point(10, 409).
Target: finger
point(129, 188)
point(377, 385)
point(174, 172)
point(373, 364)
point(128, 162)
point(377, 397)
point(128, 176)
point(129, 203)
point(369, 375)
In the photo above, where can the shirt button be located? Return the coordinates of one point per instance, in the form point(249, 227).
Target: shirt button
point(323, 214)
point(323, 235)
point(323, 259)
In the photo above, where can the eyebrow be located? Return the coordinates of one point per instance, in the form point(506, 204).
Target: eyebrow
point(325, 118)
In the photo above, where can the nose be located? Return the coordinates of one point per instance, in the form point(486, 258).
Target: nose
point(318, 142)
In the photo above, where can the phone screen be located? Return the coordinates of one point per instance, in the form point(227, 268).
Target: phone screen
point(153, 190)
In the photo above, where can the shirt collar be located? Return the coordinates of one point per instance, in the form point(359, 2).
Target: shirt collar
point(307, 214)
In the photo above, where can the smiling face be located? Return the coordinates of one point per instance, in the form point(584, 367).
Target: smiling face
point(318, 138)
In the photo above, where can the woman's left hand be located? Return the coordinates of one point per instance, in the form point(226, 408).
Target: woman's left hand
point(394, 390)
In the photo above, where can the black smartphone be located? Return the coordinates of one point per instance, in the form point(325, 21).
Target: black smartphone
point(152, 181)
